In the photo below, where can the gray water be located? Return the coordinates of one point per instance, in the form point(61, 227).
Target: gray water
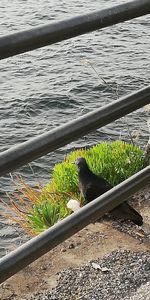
point(52, 85)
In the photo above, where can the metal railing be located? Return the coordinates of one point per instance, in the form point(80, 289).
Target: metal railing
point(47, 142)
point(39, 37)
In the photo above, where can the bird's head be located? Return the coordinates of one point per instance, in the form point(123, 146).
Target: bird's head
point(80, 162)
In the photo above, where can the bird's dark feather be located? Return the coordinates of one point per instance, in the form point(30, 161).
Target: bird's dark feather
point(92, 186)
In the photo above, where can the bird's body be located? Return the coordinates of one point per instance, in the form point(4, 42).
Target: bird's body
point(92, 186)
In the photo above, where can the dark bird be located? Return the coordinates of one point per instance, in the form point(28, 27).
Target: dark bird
point(92, 186)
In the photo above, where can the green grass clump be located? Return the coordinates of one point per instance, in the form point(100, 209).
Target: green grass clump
point(37, 210)
point(65, 177)
point(115, 161)
point(46, 214)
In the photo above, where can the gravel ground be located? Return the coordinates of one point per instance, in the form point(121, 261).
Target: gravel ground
point(119, 275)
point(141, 233)
point(143, 293)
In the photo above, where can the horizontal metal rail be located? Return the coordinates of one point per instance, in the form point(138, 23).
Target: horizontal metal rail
point(58, 31)
point(36, 147)
point(41, 244)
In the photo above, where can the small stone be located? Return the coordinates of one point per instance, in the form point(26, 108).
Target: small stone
point(43, 268)
point(71, 246)
point(63, 250)
point(96, 266)
point(105, 269)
